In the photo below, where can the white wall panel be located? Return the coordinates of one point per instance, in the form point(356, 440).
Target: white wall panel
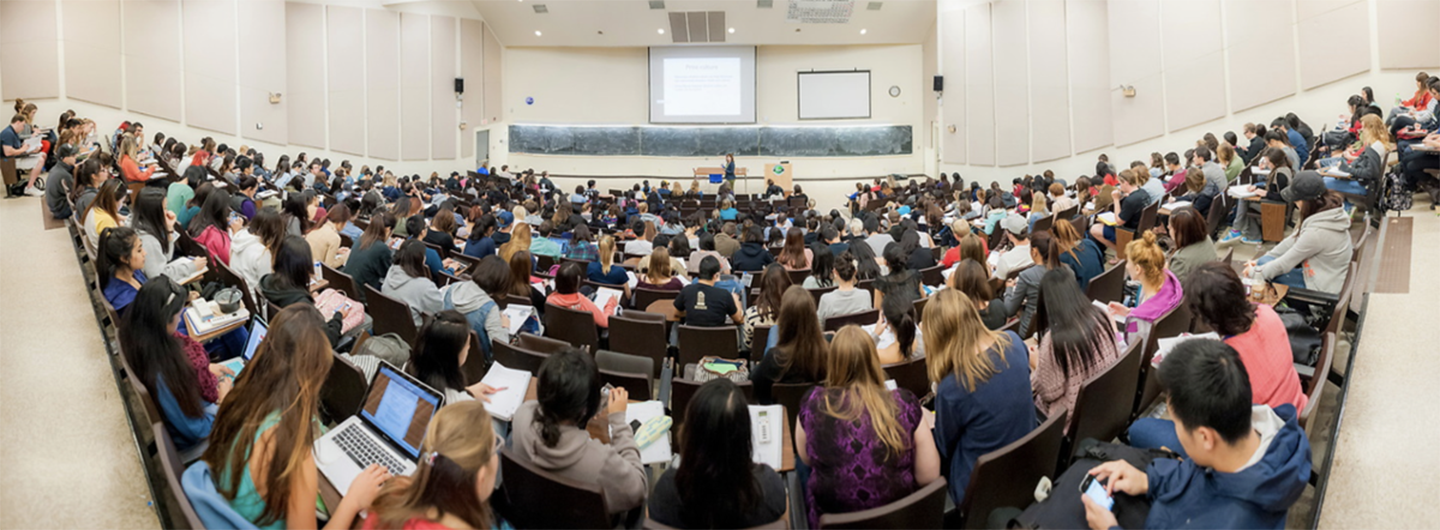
point(1138, 118)
point(1250, 26)
point(979, 86)
point(1049, 94)
point(210, 44)
point(952, 110)
point(1333, 46)
point(305, 73)
point(1307, 9)
point(442, 88)
point(30, 63)
point(263, 61)
point(1195, 91)
point(382, 70)
point(152, 56)
point(345, 66)
point(1410, 33)
point(494, 64)
point(1135, 61)
point(1088, 54)
point(1012, 83)
point(414, 86)
point(472, 69)
point(92, 51)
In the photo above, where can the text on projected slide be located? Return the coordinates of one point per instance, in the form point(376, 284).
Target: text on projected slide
point(702, 86)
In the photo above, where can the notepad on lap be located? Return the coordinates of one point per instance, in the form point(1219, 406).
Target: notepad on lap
point(1240, 192)
point(1163, 346)
point(603, 295)
point(659, 450)
point(1107, 218)
point(503, 404)
point(518, 314)
point(1172, 206)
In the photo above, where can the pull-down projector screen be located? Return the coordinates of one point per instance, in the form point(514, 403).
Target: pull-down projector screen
point(834, 95)
point(710, 84)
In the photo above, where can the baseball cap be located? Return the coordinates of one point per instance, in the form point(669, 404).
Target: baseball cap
point(1307, 186)
point(904, 210)
point(505, 218)
point(66, 151)
point(1016, 224)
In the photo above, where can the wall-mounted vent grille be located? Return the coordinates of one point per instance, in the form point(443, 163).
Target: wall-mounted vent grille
point(820, 11)
point(540, 9)
point(697, 26)
point(764, 4)
point(874, 6)
point(657, 4)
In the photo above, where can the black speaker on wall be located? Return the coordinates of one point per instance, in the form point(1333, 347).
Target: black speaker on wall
point(459, 85)
point(939, 83)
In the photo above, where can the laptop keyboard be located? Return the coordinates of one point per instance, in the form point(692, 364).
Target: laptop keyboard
point(365, 451)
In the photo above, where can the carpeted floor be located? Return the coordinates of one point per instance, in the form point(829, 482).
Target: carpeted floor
point(1394, 263)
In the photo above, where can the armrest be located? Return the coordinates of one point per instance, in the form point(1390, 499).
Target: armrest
point(1313, 297)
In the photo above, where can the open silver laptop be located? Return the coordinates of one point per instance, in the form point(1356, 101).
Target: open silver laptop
point(388, 430)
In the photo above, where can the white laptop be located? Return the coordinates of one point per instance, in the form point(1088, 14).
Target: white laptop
point(388, 430)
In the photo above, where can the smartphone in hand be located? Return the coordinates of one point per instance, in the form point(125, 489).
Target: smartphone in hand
point(1096, 491)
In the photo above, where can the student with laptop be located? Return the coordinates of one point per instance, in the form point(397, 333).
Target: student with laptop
point(450, 488)
point(550, 433)
point(263, 438)
point(1246, 464)
point(173, 367)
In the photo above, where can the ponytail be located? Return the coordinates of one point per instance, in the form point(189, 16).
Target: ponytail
point(112, 251)
point(1048, 248)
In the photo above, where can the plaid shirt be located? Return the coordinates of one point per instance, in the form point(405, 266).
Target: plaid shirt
point(583, 250)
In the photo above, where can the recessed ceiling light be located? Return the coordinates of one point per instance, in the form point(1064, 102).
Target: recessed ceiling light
point(862, 31)
point(660, 31)
point(537, 33)
point(732, 30)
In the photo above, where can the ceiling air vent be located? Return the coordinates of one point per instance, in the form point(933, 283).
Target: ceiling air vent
point(874, 6)
point(697, 26)
point(820, 11)
point(657, 4)
point(764, 4)
point(540, 9)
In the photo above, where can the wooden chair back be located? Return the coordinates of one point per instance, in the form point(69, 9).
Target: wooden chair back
point(923, 509)
point(1007, 476)
point(863, 318)
point(683, 390)
point(1108, 286)
point(759, 337)
point(933, 276)
point(797, 277)
point(531, 494)
point(645, 296)
point(642, 334)
point(910, 375)
point(1316, 390)
point(545, 345)
point(344, 390)
point(698, 342)
point(817, 293)
point(172, 467)
point(476, 364)
point(1043, 224)
point(391, 315)
point(511, 356)
point(1172, 324)
point(1100, 405)
point(341, 282)
point(575, 327)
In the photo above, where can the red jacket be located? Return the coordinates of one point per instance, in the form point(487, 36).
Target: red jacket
point(1421, 100)
point(132, 171)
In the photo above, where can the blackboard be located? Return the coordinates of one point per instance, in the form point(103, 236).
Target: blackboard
point(834, 141)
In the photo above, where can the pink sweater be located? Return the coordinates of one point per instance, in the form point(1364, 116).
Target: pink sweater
point(579, 302)
point(1265, 350)
point(216, 241)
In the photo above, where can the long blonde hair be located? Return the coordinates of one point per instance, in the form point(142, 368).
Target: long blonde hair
point(853, 368)
point(519, 240)
point(607, 253)
point(954, 335)
point(458, 444)
point(1372, 129)
point(129, 147)
point(658, 271)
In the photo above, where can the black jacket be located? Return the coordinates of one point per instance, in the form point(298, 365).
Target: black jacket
point(751, 257)
point(1257, 146)
point(368, 266)
point(284, 295)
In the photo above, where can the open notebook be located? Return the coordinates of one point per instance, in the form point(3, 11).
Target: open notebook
point(503, 404)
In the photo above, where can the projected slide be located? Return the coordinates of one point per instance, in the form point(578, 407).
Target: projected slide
point(711, 84)
point(702, 86)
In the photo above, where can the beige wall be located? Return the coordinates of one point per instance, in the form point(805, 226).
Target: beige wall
point(92, 51)
point(30, 65)
point(609, 86)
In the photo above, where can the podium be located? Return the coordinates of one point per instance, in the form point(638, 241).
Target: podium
point(781, 174)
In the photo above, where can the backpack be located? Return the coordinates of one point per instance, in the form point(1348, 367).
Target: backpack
point(1396, 197)
point(388, 347)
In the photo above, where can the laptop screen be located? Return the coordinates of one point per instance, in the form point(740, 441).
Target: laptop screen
point(400, 408)
point(257, 334)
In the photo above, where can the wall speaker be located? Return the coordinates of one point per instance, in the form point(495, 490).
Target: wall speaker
point(939, 83)
point(459, 85)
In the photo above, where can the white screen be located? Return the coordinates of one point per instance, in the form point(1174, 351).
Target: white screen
point(702, 84)
point(834, 95)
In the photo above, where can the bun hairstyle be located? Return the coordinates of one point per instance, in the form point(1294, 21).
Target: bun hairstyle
point(568, 391)
point(1147, 255)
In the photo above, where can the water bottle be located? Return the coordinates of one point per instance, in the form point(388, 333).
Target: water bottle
point(1397, 99)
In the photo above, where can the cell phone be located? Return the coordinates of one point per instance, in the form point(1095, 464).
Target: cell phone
point(1095, 489)
point(635, 425)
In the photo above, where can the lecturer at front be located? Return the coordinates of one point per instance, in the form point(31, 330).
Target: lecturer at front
point(730, 169)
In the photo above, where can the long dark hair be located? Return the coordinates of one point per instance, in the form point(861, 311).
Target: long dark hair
point(823, 264)
point(864, 258)
point(269, 228)
point(377, 231)
point(437, 351)
point(793, 254)
point(293, 263)
point(153, 352)
point(214, 212)
point(773, 283)
point(1075, 324)
point(149, 213)
point(113, 250)
point(801, 345)
point(411, 259)
point(900, 314)
point(716, 484)
point(568, 391)
point(295, 207)
point(483, 226)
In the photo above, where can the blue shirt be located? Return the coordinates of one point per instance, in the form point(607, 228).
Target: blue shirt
point(10, 138)
point(120, 293)
point(616, 276)
point(479, 249)
point(999, 411)
point(1298, 142)
point(187, 431)
point(729, 214)
point(436, 265)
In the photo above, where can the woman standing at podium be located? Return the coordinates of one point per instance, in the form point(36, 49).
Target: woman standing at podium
point(729, 168)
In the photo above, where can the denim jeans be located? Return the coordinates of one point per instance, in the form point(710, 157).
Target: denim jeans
point(1294, 278)
point(1154, 433)
point(1349, 186)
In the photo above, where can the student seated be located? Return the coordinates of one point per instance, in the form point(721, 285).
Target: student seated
point(156, 228)
point(567, 295)
point(706, 305)
point(1129, 201)
point(1193, 246)
point(1258, 336)
point(370, 259)
point(261, 446)
point(658, 271)
point(846, 299)
point(451, 488)
point(765, 308)
point(104, 210)
point(1023, 297)
point(550, 433)
point(1160, 291)
point(119, 266)
point(290, 284)
point(752, 255)
point(1316, 255)
point(973, 278)
point(523, 284)
point(476, 299)
point(173, 367)
point(212, 225)
point(604, 270)
point(982, 386)
point(795, 255)
point(717, 484)
point(252, 249)
point(1246, 465)
point(799, 352)
point(324, 240)
point(418, 230)
point(441, 350)
point(408, 281)
point(866, 446)
point(1079, 344)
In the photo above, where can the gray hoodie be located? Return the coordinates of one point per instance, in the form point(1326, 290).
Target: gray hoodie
point(468, 298)
point(158, 262)
point(418, 293)
point(616, 468)
point(1321, 245)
